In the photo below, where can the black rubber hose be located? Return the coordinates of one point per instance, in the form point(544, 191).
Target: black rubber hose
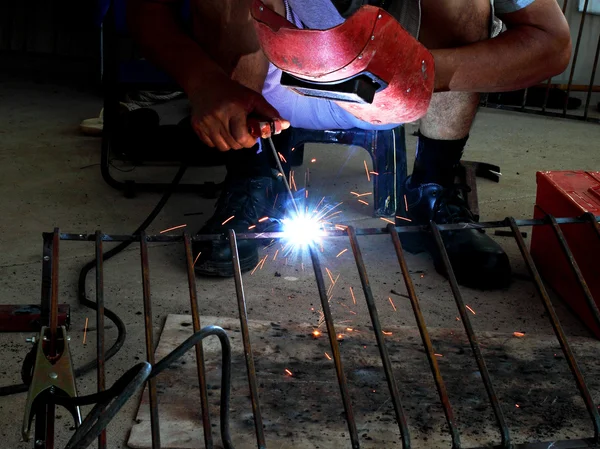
point(82, 296)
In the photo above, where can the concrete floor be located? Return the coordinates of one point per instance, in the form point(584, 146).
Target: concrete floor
point(49, 177)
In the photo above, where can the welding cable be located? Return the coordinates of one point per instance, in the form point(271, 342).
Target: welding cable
point(113, 399)
point(82, 295)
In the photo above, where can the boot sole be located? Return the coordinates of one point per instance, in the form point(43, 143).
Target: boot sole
point(225, 269)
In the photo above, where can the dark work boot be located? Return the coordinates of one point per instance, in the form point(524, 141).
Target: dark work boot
point(247, 200)
point(250, 192)
point(477, 260)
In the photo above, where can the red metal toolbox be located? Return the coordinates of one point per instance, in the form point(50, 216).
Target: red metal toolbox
point(569, 194)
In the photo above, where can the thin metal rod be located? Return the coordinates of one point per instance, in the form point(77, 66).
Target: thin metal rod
point(335, 348)
point(524, 101)
point(208, 439)
point(383, 352)
point(591, 219)
point(328, 233)
point(592, 79)
point(54, 293)
point(587, 294)
point(243, 312)
point(100, 352)
point(46, 279)
point(549, 83)
point(575, 55)
point(558, 330)
point(154, 422)
point(485, 375)
point(435, 369)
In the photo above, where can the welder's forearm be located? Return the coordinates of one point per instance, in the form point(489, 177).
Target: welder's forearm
point(516, 59)
point(162, 41)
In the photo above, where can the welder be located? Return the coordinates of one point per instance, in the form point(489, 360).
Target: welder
point(229, 68)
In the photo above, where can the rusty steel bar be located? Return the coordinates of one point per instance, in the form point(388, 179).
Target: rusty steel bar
point(335, 348)
point(524, 101)
point(54, 293)
point(592, 79)
point(547, 94)
point(152, 394)
point(558, 330)
point(208, 439)
point(587, 294)
point(420, 319)
point(243, 312)
point(592, 219)
point(328, 233)
point(575, 55)
point(485, 375)
point(383, 352)
point(100, 352)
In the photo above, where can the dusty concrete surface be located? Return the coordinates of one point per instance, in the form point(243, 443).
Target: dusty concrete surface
point(49, 177)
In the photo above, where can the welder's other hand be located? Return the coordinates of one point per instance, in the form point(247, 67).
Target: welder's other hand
point(219, 114)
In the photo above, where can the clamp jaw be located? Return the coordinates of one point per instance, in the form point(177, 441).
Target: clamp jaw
point(51, 377)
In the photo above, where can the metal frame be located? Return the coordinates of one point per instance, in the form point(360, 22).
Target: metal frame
point(590, 87)
point(434, 230)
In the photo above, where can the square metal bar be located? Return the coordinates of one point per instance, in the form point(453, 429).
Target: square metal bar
point(485, 375)
point(383, 352)
point(154, 422)
point(558, 330)
point(191, 275)
point(243, 312)
point(433, 364)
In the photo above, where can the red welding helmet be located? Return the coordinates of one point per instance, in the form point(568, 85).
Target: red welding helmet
point(369, 65)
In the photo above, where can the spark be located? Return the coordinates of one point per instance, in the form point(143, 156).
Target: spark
point(316, 333)
point(313, 160)
point(322, 199)
point(405, 204)
point(293, 149)
point(387, 333)
point(263, 219)
point(422, 275)
point(354, 193)
point(438, 355)
point(293, 183)
point(340, 227)
point(275, 202)
point(364, 202)
point(173, 228)
point(374, 173)
point(328, 356)
point(275, 256)
point(470, 310)
point(281, 157)
point(457, 319)
point(257, 265)
point(353, 297)
point(289, 372)
point(196, 259)
point(262, 262)
point(519, 334)
point(358, 195)
point(367, 170)
point(392, 303)
point(251, 227)
point(342, 252)
point(228, 220)
point(349, 329)
point(330, 291)
point(306, 194)
point(85, 328)
point(332, 215)
point(517, 405)
point(403, 218)
point(340, 337)
point(387, 220)
point(329, 274)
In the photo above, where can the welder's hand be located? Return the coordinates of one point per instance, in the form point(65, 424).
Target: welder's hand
point(219, 114)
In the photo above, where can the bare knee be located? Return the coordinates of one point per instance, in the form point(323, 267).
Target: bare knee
point(454, 23)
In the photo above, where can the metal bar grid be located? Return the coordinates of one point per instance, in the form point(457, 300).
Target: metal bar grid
point(569, 87)
point(351, 233)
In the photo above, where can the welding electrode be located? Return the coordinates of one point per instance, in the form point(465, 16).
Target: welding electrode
point(261, 128)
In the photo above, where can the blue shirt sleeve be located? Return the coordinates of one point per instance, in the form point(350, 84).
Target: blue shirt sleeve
point(508, 6)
